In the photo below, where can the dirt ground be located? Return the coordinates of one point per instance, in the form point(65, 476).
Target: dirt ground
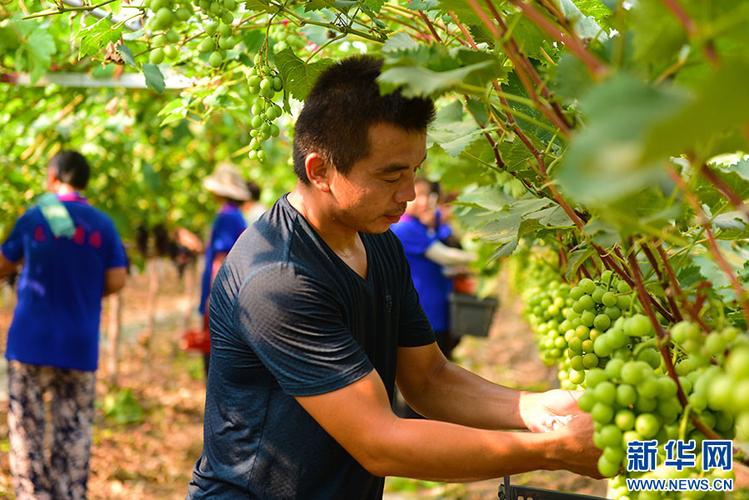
point(153, 458)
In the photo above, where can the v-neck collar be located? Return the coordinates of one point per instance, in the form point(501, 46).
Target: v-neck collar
point(364, 279)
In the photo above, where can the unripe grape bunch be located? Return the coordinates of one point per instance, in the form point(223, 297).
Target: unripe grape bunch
point(598, 338)
point(263, 83)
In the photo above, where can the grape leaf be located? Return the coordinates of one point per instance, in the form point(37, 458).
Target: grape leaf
point(298, 76)
point(417, 81)
point(689, 276)
point(39, 48)
point(604, 162)
point(93, 39)
point(126, 54)
point(399, 42)
point(719, 105)
point(154, 78)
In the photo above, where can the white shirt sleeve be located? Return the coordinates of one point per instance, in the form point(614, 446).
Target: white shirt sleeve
point(446, 256)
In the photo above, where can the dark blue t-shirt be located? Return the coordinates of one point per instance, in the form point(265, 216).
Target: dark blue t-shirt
point(429, 279)
point(290, 318)
point(227, 227)
point(56, 321)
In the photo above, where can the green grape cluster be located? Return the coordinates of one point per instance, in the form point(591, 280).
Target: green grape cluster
point(717, 367)
point(629, 400)
point(285, 37)
point(220, 34)
point(220, 38)
point(162, 25)
point(263, 82)
point(633, 398)
point(597, 336)
point(546, 302)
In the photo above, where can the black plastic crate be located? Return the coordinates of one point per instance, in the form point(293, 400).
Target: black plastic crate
point(470, 315)
point(509, 491)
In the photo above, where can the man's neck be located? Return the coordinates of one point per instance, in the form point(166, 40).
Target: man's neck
point(338, 237)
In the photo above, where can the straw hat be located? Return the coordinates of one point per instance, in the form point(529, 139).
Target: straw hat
point(226, 181)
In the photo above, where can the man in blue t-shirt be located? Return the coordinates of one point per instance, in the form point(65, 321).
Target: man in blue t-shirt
point(72, 257)
point(314, 318)
point(231, 191)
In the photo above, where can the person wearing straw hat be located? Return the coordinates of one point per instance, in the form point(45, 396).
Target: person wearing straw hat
point(227, 184)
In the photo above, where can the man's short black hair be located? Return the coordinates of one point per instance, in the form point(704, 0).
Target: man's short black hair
point(71, 168)
point(254, 190)
point(341, 107)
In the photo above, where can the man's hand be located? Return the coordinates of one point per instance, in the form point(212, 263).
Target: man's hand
point(578, 453)
point(547, 411)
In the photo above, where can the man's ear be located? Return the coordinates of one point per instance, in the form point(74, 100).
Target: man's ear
point(318, 171)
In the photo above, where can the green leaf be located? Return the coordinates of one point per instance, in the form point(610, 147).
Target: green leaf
point(657, 34)
point(41, 46)
point(9, 40)
point(575, 259)
point(374, 5)
point(740, 168)
point(604, 162)
point(126, 54)
point(175, 111)
point(584, 25)
point(602, 233)
point(416, 81)
point(720, 104)
point(571, 79)
point(260, 5)
point(689, 276)
point(298, 76)
point(489, 198)
point(154, 78)
point(453, 131)
point(94, 39)
point(423, 4)
point(715, 275)
point(399, 42)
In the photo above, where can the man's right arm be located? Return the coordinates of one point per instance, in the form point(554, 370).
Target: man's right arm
point(359, 417)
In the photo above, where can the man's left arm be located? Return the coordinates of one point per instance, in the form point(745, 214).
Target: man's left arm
point(441, 390)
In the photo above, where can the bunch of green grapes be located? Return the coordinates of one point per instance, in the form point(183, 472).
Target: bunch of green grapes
point(717, 366)
point(162, 25)
point(263, 82)
point(546, 297)
point(633, 398)
point(220, 37)
point(285, 37)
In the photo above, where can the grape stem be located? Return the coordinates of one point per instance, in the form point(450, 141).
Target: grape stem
point(663, 280)
point(676, 288)
point(663, 342)
point(725, 189)
point(61, 10)
point(691, 28)
point(523, 68)
point(741, 295)
point(595, 66)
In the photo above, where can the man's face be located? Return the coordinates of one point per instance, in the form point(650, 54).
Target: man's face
point(374, 193)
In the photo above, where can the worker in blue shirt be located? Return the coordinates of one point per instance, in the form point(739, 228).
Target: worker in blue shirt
point(231, 191)
point(424, 237)
point(71, 257)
